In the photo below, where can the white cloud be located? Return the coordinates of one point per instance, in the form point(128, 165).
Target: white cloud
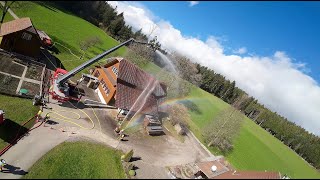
point(276, 81)
point(242, 50)
point(193, 3)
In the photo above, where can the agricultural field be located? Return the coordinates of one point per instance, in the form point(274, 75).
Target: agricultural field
point(75, 159)
point(17, 111)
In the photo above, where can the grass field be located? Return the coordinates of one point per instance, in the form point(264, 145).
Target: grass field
point(254, 148)
point(76, 160)
point(68, 30)
point(17, 111)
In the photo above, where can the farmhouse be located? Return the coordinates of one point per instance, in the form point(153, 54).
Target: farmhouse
point(20, 36)
point(128, 87)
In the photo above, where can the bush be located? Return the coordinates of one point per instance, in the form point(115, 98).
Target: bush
point(132, 172)
point(128, 156)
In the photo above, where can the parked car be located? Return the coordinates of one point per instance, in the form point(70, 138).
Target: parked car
point(45, 39)
point(152, 125)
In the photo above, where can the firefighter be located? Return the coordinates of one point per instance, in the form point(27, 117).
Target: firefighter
point(117, 130)
point(2, 164)
point(121, 135)
point(38, 118)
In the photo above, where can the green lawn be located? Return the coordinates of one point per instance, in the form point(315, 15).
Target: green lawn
point(17, 111)
point(69, 30)
point(254, 148)
point(81, 160)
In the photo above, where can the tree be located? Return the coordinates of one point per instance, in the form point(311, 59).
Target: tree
point(5, 8)
point(116, 25)
point(223, 129)
point(155, 45)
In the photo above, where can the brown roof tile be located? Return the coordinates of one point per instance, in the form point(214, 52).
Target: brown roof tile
point(249, 175)
point(205, 167)
point(16, 25)
point(131, 83)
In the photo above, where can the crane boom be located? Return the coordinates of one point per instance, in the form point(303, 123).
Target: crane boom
point(86, 64)
point(60, 89)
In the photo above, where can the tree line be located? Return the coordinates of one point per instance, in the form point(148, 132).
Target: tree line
point(103, 15)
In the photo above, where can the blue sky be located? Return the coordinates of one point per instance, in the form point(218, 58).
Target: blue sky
point(261, 27)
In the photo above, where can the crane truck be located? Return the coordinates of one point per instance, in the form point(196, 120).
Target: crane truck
point(62, 90)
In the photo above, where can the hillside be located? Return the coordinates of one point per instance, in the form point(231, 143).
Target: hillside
point(67, 30)
point(255, 149)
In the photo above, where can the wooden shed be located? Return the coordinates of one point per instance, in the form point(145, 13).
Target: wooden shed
point(20, 36)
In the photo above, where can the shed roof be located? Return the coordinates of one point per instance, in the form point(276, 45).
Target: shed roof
point(17, 25)
point(205, 167)
point(249, 175)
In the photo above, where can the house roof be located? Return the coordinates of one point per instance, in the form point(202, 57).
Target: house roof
point(129, 98)
point(205, 167)
point(138, 90)
point(17, 25)
point(249, 175)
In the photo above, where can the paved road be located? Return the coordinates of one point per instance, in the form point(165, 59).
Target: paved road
point(10, 11)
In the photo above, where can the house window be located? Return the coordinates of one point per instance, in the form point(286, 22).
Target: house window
point(97, 74)
point(115, 70)
point(26, 36)
point(105, 87)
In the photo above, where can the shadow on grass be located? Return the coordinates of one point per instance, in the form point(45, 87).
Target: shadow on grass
point(50, 60)
point(9, 130)
point(191, 106)
point(47, 5)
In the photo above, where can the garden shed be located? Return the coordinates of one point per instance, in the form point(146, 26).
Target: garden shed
point(20, 36)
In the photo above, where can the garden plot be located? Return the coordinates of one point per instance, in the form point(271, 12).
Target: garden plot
point(8, 66)
point(32, 88)
point(8, 84)
point(34, 72)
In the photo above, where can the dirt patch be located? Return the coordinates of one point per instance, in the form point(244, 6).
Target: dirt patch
point(34, 72)
point(8, 66)
point(8, 84)
point(31, 87)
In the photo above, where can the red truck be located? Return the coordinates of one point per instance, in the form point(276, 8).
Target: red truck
point(1, 116)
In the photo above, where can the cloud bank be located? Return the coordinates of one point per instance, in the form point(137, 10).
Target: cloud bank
point(193, 3)
point(276, 81)
point(242, 50)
